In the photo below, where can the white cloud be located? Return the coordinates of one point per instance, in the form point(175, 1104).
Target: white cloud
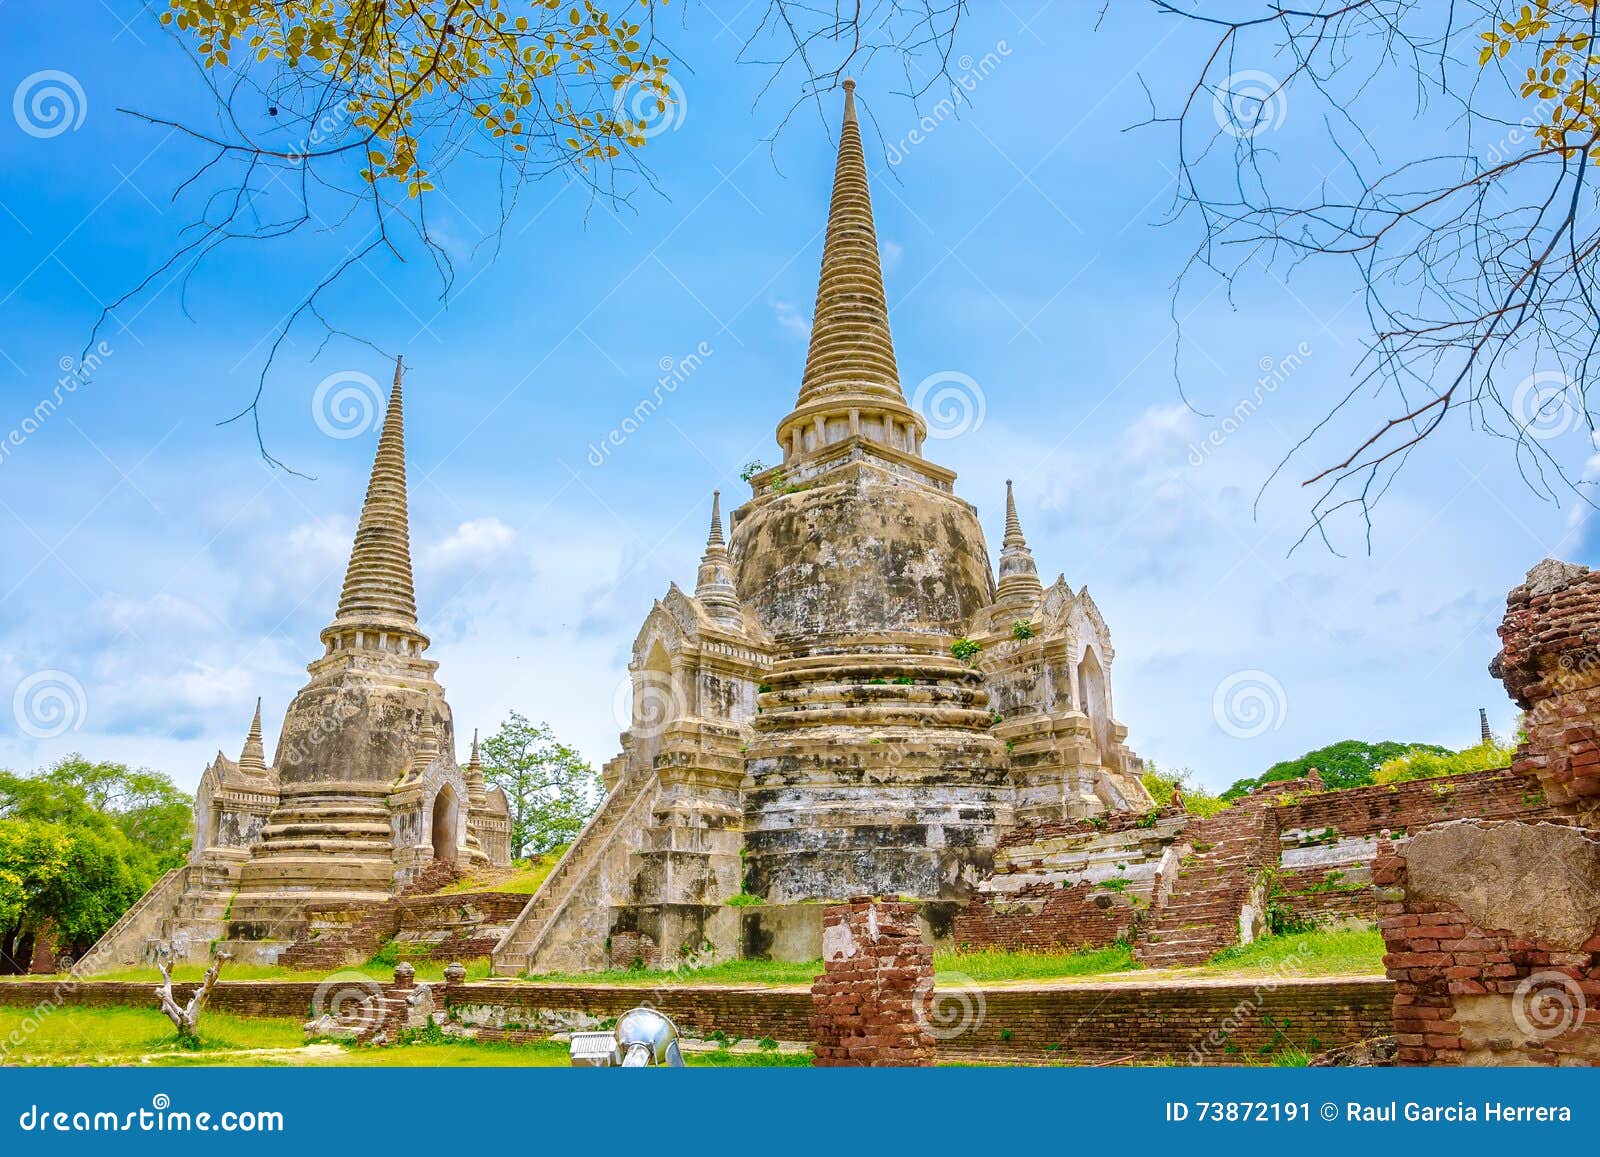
point(791, 320)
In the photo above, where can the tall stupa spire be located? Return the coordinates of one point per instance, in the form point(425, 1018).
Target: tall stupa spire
point(378, 597)
point(1019, 587)
point(851, 384)
point(715, 589)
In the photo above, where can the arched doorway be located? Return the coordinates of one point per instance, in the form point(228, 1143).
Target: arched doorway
point(1092, 697)
point(446, 824)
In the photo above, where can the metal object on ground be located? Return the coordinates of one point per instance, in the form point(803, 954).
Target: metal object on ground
point(593, 1050)
point(645, 1038)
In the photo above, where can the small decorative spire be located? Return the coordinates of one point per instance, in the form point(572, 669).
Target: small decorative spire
point(427, 744)
point(715, 588)
point(1487, 736)
point(253, 759)
point(715, 537)
point(1019, 587)
point(473, 773)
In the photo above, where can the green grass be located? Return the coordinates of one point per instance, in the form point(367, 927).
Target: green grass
point(524, 881)
point(122, 1035)
point(990, 965)
point(759, 972)
point(1352, 952)
point(982, 966)
point(68, 1035)
point(380, 967)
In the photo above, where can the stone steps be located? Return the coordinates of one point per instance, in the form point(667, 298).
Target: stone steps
point(516, 949)
point(1201, 913)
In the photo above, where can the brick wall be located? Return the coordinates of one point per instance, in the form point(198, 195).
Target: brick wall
point(868, 1008)
point(1493, 938)
point(1199, 1022)
point(1208, 1022)
point(1400, 808)
point(1550, 664)
point(1043, 917)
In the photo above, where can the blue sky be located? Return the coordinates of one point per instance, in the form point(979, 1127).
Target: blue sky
point(154, 559)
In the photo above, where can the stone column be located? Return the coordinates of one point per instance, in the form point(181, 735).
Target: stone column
point(877, 972)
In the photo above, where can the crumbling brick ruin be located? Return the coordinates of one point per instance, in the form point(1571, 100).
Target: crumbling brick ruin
point(1178, 888)
point(1493, 927)
point(867, 1006)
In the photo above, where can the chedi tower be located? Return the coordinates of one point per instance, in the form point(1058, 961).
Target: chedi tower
point(847, 703)
point(363, 793)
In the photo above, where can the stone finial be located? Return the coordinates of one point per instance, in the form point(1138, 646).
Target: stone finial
point(455, 972)
point(715, 589)
point(1484, 734)
point(253, 759)
point(405, 976)
point(1019, 588)
point(379, 596)
point(427, 744)
point(851, 382)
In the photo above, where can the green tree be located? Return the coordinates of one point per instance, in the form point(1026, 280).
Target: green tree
point(79, 843)
point(1348, 763)
point(1432, 763)
point(1162, 785)
point(551, 790)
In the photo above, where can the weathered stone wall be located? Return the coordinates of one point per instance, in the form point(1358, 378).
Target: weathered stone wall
point(868, 1003)
point(1493, 936)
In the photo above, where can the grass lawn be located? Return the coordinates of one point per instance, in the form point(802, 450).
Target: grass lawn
point(948, 967)
point(89, 1035)
point(524, 880)
point(130, 1036)
point(380, 967)
point(985, 966)
point(1355, 952)
point(1341, 953)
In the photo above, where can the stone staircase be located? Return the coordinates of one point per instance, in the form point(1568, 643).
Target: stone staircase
point(126, 942)
point(520, 946)
point(1199, 912)
point(337, 935)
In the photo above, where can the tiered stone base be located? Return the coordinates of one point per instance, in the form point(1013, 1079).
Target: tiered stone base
point(873, 773)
